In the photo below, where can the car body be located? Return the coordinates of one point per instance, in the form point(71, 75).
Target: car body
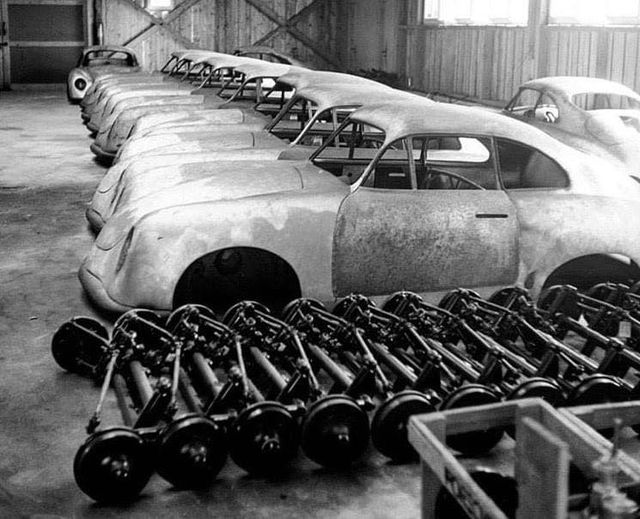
point(591, 114)
point(130, 180)
point(118, 126)
point(185, 140)
point(531, 208)
point(269, 54)
point(96, 61)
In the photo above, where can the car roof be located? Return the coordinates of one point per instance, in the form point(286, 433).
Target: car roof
point(329, 95)
point(401, 118)
point(259, 68)
point(299, 77)
point(192, 53)
point(108, 48)
point(572, 85)
point(263, 49)
point(229, 61)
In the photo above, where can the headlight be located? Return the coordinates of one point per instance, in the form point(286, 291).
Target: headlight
point(80, 83)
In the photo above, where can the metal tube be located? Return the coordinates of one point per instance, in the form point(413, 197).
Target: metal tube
point(269, 369)
point(206, 374)
point(394, 364)
point(188, 393)
point(129, 416)
point(332, 369)
point(141, 382)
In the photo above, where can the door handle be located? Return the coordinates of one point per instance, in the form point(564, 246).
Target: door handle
point(492, 215)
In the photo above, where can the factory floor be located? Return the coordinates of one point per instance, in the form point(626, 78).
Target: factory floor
point(47, 176)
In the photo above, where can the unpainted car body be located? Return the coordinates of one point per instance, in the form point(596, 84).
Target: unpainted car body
point(594, 115)
point(99, 61)
point(130, 180)
point(276, 230)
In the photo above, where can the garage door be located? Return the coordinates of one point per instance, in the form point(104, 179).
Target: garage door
point(45, 39)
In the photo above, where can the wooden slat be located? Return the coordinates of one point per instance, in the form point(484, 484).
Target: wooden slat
point(543, 479)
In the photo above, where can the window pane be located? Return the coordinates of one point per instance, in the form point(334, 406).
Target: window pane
point(450, 162)
point(522, 167)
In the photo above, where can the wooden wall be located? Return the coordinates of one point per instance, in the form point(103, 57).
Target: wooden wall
point(223, 25)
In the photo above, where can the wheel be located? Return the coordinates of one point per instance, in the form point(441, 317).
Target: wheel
point(474, 442)
point(264, 438)
point(449, 300)
point(342, 307)
point(389, 425)
point(536, 387)
point(144, 323)
point(232, 313)
point(599, 389)
point(302, 303)
point(560, 299)
point(502, 490)
point(335, 431)
point(113, 465)
point(190, 312)
point(399, 300)
point(506, 296)
point(77, 346)
point(602, 292)
point(191, 451)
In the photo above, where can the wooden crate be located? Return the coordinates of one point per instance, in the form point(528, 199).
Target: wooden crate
point(548, 440)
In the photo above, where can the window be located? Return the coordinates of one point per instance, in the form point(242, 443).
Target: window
point(532, 104)
point(476, 12)
point(594, 12)
point(439, 162)
point(605, 101)
point(522, 167)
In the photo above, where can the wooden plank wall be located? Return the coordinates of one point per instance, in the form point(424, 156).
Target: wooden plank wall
point(490, 62)
point(223, 25)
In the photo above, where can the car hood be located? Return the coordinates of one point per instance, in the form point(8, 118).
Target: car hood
point(229, 180)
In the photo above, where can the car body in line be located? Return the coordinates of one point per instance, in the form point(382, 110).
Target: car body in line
point(269, 54)
point(594, 115)
point(119, 98)
point(118, 126)
point(125, 183)
point(96, 61)
point(185, 140)
point(478, 201)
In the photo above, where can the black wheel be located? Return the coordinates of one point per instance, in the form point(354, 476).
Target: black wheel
point(191, 451)
point(560, 299)
point(599, 389)
point(506, 296)
point(77, 346)
point(264, 438)
point(606, 325)
point(344, 306)
point(189, 312)
point(399, 301)
point(502, 490)
point(449, 300)
point(288, 312)
point(113, 465)
point(144, 323)
point(335, 431)
point(536, 387)
point(231, 314)
point(389, 424)
point(475, 442)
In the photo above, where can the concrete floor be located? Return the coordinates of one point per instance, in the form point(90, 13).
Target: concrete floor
point(47, 175)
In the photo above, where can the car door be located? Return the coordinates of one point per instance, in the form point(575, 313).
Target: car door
point(441, 236)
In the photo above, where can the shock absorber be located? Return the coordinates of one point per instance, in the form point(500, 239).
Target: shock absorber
point(262, 434)
point(579, 375)
point(425, 364)
point(114, 464)
point(335, 427)
point(324, 334)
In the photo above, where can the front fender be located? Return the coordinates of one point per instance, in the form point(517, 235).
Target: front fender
point(143, 270)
